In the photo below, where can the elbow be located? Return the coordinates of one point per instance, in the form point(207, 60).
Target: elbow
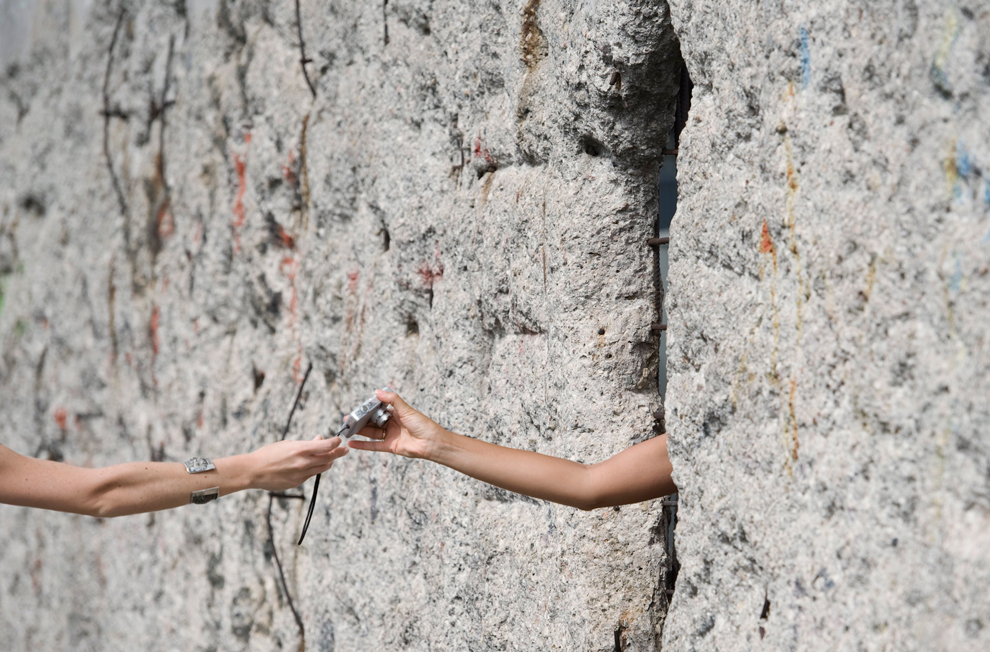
point(104, 509)
point(99, 507)
point(590, 497)
point(101, 502)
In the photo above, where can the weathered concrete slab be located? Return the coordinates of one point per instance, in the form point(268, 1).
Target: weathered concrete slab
point(459, 211)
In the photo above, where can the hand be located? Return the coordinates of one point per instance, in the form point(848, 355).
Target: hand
point(287, 464)
point(408, 433)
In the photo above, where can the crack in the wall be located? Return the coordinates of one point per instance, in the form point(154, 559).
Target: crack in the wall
point(268, 517)
point(303, 59)
point(109, 113)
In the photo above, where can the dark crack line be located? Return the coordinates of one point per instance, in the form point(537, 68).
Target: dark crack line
point(295, 403)
point(271, 499)
point(385, 18)
point(281, 575)
point(108, 113)
point(164, 104)
point(303, 60)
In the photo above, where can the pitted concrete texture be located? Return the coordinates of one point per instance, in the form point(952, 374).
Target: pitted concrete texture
point(828, 400)
point(459, 209)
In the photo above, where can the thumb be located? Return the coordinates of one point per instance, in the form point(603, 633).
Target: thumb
point(394, 400)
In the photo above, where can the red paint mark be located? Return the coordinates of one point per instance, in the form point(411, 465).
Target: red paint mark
point(165, 282)
point(288, 173)
point(130, 361)
point(60, 418)
point(241, 166)
point(287, 240)
point(352, 280)
point(198, 236)
point(199, 419)
point(481, 151)
point(428, 273)
point(153, 330)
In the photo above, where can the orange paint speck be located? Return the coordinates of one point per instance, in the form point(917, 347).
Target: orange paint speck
point(766, 244)
point(164, 221)
point(60, 418)
point(241, 189)
point(153, 329)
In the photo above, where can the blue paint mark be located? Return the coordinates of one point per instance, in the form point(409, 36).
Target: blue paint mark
point(956, 279)
point(805, 59)
point(986, 192)
point(964, 164)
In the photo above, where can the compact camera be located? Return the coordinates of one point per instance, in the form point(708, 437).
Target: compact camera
point(372, 412)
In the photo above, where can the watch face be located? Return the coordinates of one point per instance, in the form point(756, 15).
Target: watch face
point(199, 465)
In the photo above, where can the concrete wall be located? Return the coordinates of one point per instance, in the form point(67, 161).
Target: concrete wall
point(829, 392)
point(460, 209)
point(169, 276)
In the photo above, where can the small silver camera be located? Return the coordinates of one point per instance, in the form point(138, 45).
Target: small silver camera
point(370, 413)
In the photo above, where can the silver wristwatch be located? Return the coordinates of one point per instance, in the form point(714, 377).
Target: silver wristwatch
point(202, 465)
point(199, 465)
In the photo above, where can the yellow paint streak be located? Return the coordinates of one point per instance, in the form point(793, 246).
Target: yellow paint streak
point(949, 34)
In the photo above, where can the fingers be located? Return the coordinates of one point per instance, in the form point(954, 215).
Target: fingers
point(324, 463)
point(321, 446)
point(376, 446)
point(372, 432)
point(392, 399)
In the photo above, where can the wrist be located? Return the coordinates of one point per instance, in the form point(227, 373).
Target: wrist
point(238, 473)
point(444, 447)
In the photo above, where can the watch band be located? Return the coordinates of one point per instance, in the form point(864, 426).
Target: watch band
point(204, 496)
point(199, 465)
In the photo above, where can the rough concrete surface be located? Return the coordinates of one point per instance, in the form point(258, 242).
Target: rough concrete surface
point(459, 208)
point(829, 392)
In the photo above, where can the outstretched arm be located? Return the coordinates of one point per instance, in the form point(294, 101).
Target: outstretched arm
point(137, 487)
point(641, 472)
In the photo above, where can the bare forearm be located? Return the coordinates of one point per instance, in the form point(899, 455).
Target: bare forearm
point(524, 472)
point(137, 487)
point(639, 473)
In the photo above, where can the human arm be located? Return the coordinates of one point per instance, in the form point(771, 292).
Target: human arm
point(136, 487)
point(641, 472)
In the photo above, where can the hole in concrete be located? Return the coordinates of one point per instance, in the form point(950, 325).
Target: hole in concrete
point(592, 146)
